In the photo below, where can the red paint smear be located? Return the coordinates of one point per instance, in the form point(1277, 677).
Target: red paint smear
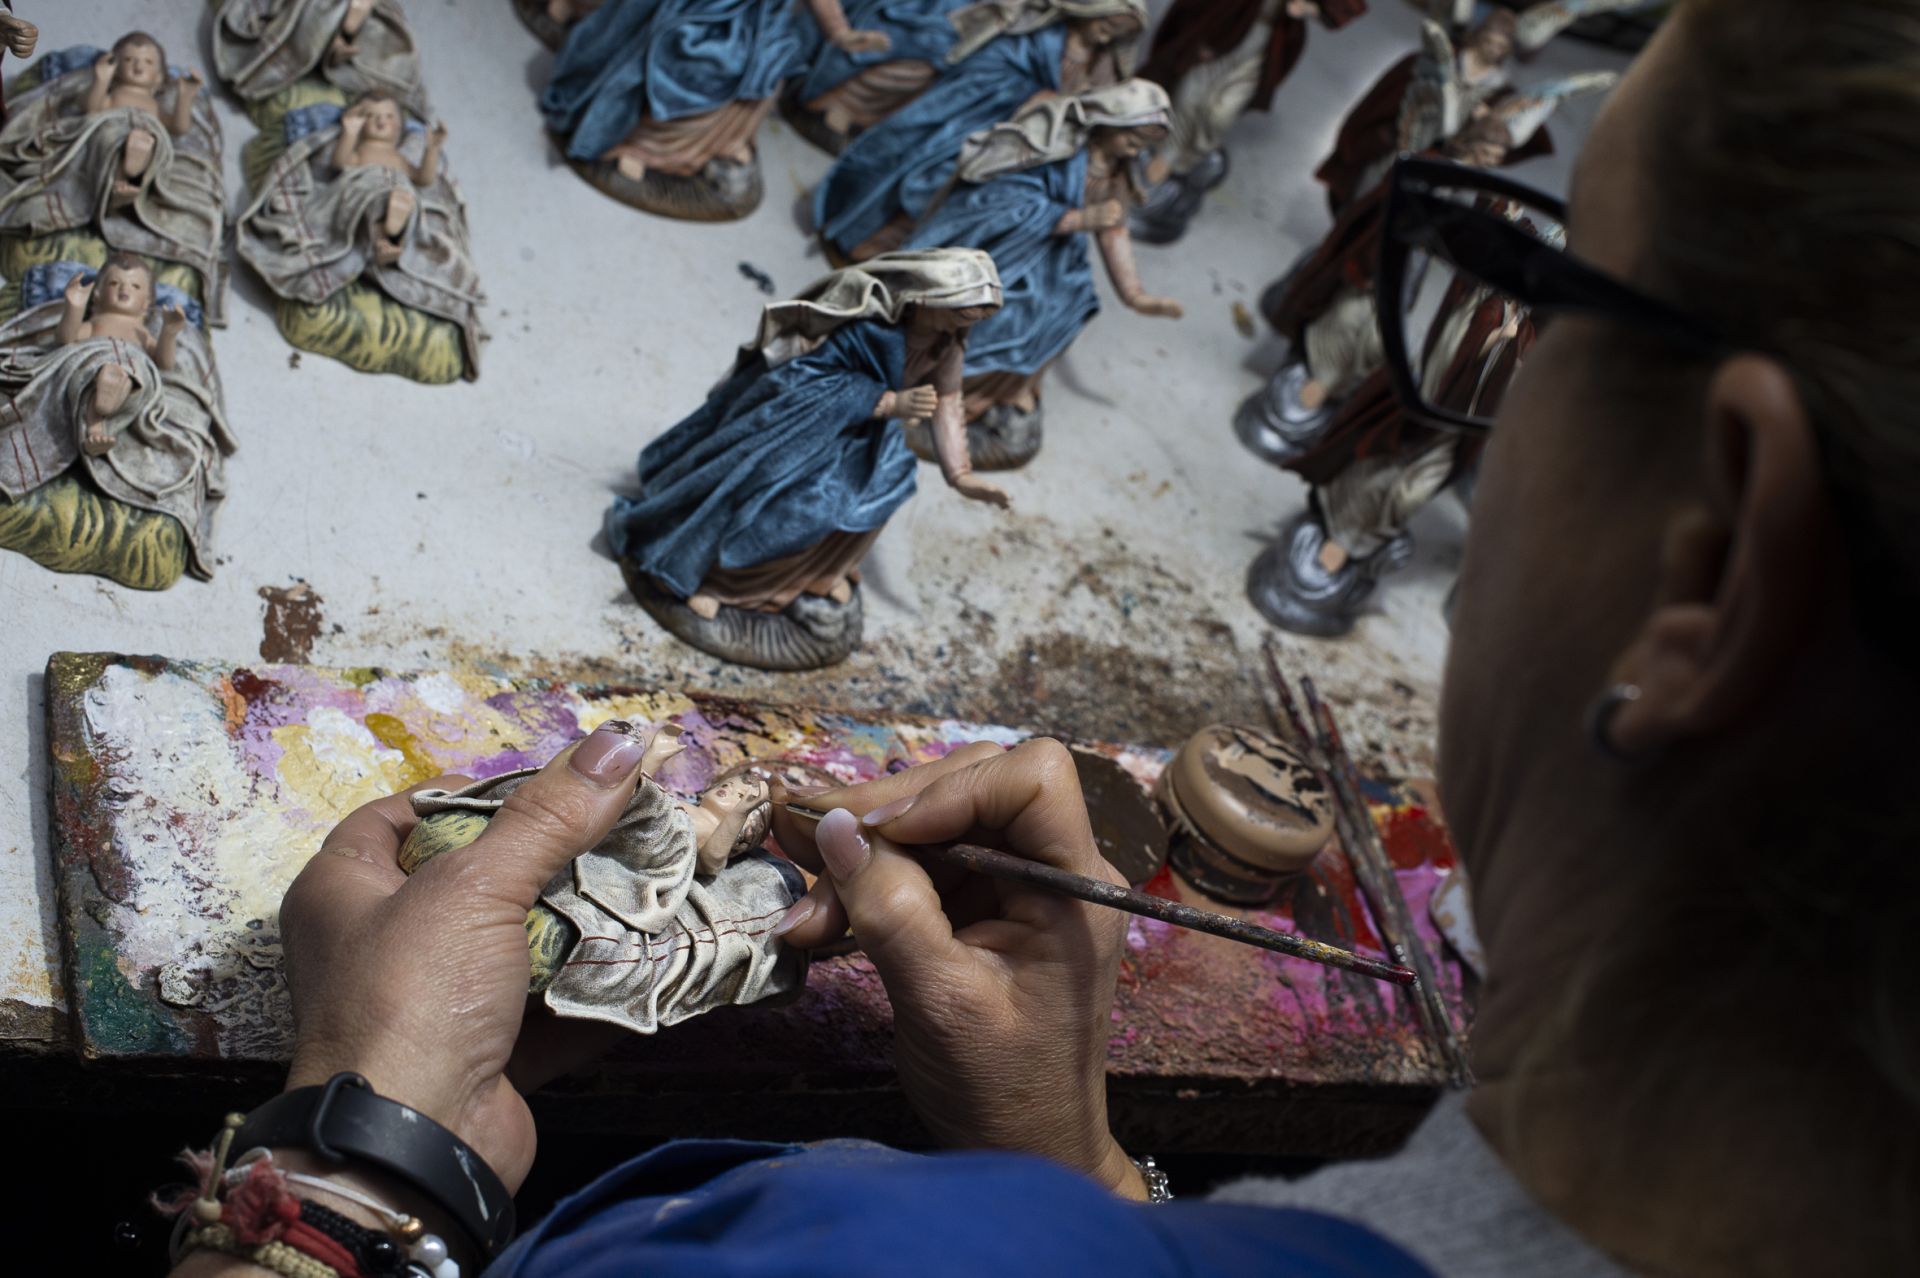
point(1414, 839)
point(1162, 885)
point(1336, 873)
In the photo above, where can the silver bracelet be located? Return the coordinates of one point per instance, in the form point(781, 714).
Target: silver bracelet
point(1156, 1180)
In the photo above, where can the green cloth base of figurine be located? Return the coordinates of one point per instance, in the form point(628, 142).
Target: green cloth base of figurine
point(550, 937)
point(360, 325)
point(68, 525)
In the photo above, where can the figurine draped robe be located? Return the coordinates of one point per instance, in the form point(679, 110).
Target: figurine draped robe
point(783, 466)
point(663, 61)
point(899, 167)
point(310, 230)
point(1047, 277)
point(261, 47)
point(58, 165)
point(651, 941)
point(171, 438)
point(870, 85)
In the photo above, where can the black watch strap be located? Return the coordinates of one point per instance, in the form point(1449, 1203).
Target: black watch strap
point(345, 1121)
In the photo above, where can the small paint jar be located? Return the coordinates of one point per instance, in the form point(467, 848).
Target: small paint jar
point(1248, 813)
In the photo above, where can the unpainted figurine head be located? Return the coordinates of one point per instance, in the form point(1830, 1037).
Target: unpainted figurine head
point(1110, 28)
point(1494, 40)
point(384, 122)
point(124, 286)
point(743, 810)
point(139, 62)
point(1126, 143)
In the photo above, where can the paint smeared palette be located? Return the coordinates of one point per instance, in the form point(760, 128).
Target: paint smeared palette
point(187, 795)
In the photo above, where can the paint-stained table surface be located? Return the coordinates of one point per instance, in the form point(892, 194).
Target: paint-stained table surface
point(187, 795)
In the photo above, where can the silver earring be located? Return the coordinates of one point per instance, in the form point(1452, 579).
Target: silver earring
point(1600, 719)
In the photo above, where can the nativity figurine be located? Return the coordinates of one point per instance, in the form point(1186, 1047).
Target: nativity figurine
point(657, 102)
point(116, 144)
point(366, 196)
point(669, 916)
point(550, 20)
point(1375, 466)
point(105, 382)
point(264, 47)
point(1032, 193)
point(1006, 54)
point(1218, 59)
point(756, 510)
point(890, 51)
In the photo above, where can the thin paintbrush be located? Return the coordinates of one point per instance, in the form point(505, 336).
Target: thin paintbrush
point(1003, 865)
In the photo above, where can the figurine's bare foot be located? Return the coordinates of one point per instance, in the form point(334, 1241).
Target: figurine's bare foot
point(705, 607)
point(122, 193)
point(1333, 555)
point(1313, 395)
point(630, 166)
point(562, 11)
point(838, 119)
point(810, 633)
point(341, 50)
point(138, 154)
point(400, 206)
point(741, 154)
point(95, 441)
point(842, 591)
point(385, 251)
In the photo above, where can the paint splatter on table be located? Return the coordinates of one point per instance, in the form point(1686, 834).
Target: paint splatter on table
point(187, 796)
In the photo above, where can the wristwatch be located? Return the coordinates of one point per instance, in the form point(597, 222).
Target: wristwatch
point(344, 1120)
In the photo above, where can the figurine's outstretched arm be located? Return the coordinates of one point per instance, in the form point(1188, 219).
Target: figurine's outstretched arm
point(73, 319)
point(187, 90)
point(172, 320)
point(949, 430)
point(348, 142)
point(832, 17)
point(1116, 250)
point(427, 172)
point(104, 67)
point(1094, 217)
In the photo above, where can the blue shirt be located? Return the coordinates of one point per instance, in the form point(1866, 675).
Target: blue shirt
point(849, 1209)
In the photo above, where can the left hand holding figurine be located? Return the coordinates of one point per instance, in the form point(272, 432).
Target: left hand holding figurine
point(420, 983)
point(857, 41)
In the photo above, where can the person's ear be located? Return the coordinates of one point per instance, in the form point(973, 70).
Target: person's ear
point(1745, 577)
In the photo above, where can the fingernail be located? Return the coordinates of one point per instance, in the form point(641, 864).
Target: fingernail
point(841, 844)
point(609, 755)
point(889, 812)
point(797, 913)
point(808, 791)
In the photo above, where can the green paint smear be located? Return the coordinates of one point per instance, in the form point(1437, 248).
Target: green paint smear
point(121, 1020)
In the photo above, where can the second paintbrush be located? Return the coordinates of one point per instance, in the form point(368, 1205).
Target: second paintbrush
point(1004, 865)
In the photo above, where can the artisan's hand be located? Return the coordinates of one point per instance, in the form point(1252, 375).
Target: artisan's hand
point(863, 41)
point(974, 488)
point(419, 983)
point(1001, 993)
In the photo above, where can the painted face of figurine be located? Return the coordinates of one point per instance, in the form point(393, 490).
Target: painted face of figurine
point(1126, 143)
point(731, 804)
point(383, 121)
point(1111, 29)
point(139, 64)
point(949, 319)
point(1492, 42)
point(122, 290)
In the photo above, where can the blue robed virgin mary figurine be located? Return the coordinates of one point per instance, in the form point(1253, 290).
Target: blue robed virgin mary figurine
point(1006, 52)
point(758, 507)
point(1030, 191)
point(657, 101)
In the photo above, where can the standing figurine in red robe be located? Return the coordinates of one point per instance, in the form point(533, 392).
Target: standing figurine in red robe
point(1219, 59)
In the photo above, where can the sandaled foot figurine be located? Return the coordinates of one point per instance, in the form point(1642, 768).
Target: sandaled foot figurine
point(1293, 589)
point(1170, 206)
point(538, 16)
point(1002, 438)
point(1276, 424)
point(724, 191)
point(813, 126)
point(811, 633)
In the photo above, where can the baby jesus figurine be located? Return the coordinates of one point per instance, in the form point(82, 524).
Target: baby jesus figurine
point(131, 78)
point(671, 915)
point(370, 135)
point(113, 309)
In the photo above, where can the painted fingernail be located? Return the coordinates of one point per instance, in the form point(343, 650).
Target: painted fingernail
point(889, 812)
point(841, 844)
point(809, 791)
point(797, 913)
point(609, 755)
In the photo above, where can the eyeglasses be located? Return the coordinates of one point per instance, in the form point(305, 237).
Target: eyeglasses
point(1471, 263)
